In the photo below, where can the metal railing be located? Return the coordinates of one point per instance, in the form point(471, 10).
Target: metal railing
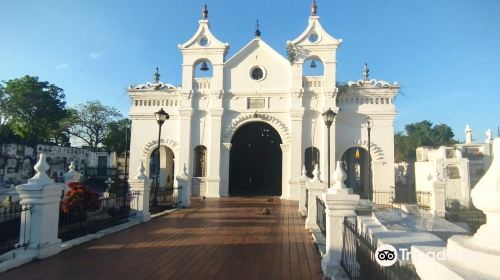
point(96, 172)
point(386, 199)
point(321, 215)
point(10, 227)
point(358, 258)
point(161, 199)
point(109, 211)
point(472, 216)
point(424, 200)
point(383, 199)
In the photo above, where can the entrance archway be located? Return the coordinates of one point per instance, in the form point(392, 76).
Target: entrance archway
point(255, 161)
point(356, 165)
point(166, 173)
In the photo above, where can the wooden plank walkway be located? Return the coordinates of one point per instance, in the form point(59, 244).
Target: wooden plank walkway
point(215, 239)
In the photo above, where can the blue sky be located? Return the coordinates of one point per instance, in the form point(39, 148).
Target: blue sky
point(445, 54)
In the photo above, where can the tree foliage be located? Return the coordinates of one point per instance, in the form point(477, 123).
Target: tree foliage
point(118, 137)
point(90, 122)
point(421, 134)
point(32, 111)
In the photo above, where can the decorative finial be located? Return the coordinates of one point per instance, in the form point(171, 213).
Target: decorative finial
point(339, 177)
point(303, 174)
point(156, 76)
point(366, 72)
point(184, 170)
point(141, 171)
point(314, 8)
point(257, 31)
point(316, 174)
point(204, 12)
point(41, 168)
point(72, 166)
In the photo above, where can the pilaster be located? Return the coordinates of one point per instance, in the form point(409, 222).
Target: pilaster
point(214, 153)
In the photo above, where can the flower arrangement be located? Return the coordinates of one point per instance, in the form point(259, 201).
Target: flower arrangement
point(79, 198)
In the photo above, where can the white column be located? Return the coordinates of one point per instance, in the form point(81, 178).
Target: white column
point(285, 171)
point(339, 204)
point(140, 186)
point(40, 225)
point(225, 157)
point(296, 151)
point(185, 155)
point(214, 154)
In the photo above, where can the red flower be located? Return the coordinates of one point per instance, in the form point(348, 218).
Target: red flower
point(80, 198)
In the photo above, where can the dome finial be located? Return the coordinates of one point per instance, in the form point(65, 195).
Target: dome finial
point(257, 31)
point(314, 8)
point(204, 12)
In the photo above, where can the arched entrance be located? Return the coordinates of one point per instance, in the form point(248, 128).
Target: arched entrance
point(255, 161)
point(166, 173)
point(357, 166)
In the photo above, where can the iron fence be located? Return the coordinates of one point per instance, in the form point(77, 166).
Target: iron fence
point(472, 216)
point(383, 199)
point(10, 227)
point(424, 200)
point(321, 215)
point(161, 199)
point(108, 211)
point(358, 258)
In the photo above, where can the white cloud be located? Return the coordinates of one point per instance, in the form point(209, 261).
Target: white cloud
point(96, 55)
point(62, 66)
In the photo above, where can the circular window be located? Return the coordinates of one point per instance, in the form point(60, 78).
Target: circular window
point(203, 42)
point(257, 73)
point(313, 38)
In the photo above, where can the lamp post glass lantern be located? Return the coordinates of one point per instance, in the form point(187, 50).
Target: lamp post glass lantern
point(161, 116)
point(329, 116)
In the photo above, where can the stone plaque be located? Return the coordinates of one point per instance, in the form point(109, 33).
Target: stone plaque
point(256, 103)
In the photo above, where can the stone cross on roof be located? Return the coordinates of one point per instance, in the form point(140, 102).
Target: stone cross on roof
point(257, 30)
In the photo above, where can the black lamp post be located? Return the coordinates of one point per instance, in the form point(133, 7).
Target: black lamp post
point(125, 184)
point(160, 116)
point(369, 124)
point(328, 116)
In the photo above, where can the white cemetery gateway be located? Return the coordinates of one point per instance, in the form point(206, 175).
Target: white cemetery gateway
point(247, 124)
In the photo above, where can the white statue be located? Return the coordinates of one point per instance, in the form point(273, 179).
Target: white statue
point(468, 135)
point(489, 136)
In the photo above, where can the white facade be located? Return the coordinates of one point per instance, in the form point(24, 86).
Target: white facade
point(208, 111)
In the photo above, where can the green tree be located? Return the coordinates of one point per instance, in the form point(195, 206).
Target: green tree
point(33, 110)
point(421, 134)
point(118, 137)
point(90, 122)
